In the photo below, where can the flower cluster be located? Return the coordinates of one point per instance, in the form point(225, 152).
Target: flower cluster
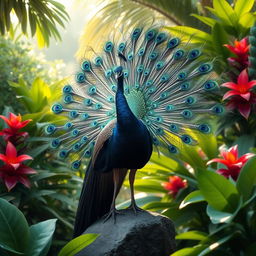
point(232, 162)
point(174, 185)
point(13, 169)
point(241, 96)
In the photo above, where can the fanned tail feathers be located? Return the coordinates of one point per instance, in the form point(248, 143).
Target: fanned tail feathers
point(165, 80)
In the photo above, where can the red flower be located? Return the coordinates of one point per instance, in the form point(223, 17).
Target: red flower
point(11, 157)
point(240, 49)
point(174, 185)
point(15, 124)
point(11, 176)
point(14, 171)
point(244, 98)
point(232, 162)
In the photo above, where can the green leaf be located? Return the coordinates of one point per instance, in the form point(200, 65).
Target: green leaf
point(245, 143)
point(196, 35)
point(219, 37)
point(40, 235)
point(190, 251)
point(216, 244)
point(243, 6)
point(147, 185)
point(219, 192)
point(208, 21)
point(217, 217)
point(77, 244)
point(192, 235)
point(225, 12)
point(193, 197)
point(247, 179)
point(14, 231)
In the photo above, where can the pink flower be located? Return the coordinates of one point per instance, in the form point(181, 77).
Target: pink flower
point(232, 162)
point(241, 50)
point(15, 124)
point(174, 185)
point(242, 96)
point(14, 170)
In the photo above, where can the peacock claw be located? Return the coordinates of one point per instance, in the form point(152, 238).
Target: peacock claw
point(135, 208)
point(112, 213)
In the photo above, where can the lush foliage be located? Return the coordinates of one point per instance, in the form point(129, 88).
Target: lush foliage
point(17, 238)
point(41, 15)
point(18, 62)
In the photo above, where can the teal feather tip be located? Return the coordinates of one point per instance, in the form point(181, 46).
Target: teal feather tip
point(108, 47)
point(50, 129)
point(76, 164)
point(86, 66)
point(63, 153)
point(218, 109)
point(57, 108)
point(172, 149)
point(80, 77)
point(186, 139)
point(67, 89)
point(172, 43)
point(204, 128)
point(55, 143)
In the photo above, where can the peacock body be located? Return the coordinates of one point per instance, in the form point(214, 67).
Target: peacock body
point(146, 90)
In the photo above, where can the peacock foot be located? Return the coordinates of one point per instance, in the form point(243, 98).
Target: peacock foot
point(112, 214)
point(135, 208)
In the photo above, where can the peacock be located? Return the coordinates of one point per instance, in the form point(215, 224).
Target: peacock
point(141, 93)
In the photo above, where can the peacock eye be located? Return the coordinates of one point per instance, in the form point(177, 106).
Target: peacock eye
point(57, 108)
point(172, 149)
point(205, 68)
point(173, 43)
point(178, 54)
point(98, 61)
point(80, 77)
point(67, 89)
point(108, 47)
point(86, 66)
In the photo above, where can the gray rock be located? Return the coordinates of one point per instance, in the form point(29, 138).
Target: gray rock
point(144, 234)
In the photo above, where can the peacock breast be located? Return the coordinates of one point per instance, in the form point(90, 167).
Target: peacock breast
point(131, 147)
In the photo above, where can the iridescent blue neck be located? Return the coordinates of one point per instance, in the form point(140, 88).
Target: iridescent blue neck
point(125, 116)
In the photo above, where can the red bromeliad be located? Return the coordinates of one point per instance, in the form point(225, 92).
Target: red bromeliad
point(243, 97)
point(174, 185)
point(14, 170)
point(241, 50)
point(15, 123)
point(232, 162)
point(12, 176)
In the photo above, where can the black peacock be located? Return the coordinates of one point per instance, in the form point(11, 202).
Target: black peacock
point(144, 92)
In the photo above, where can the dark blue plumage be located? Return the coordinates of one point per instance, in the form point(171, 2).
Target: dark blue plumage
point(143, 92)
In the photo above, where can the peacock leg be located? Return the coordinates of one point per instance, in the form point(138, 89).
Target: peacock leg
point(133, 202)
point(113, 211)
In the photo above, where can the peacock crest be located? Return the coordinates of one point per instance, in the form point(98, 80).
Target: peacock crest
point(165, 81)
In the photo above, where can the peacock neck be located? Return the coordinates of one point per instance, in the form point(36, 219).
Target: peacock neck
point(125, 117)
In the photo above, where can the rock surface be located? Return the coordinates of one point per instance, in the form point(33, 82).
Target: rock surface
point(144, 234)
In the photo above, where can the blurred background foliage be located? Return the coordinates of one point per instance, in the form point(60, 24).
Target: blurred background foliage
point(31, 83)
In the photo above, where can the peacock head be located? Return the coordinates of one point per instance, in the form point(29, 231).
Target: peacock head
point(118, 71)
